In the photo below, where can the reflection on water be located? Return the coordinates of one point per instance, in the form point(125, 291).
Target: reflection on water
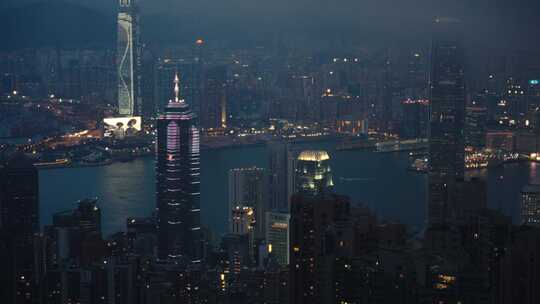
point(532, 173)
point(123, 189)
point(378, 180)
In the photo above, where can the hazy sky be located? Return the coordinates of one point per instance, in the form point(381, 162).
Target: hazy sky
point(414, 7)
point(497, 22)
point(359, 8)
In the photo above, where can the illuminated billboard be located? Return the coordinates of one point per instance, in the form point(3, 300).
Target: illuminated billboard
point(122, 126)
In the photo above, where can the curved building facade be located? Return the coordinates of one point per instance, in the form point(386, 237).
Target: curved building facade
point(313, 172)
point(127, 58)
point(178, 182)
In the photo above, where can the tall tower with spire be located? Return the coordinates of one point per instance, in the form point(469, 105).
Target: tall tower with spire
point(178, 182)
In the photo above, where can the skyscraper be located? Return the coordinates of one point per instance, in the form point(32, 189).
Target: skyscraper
point(447, 117)
point(214, 100)
point(316, 238)
point(19, 222)
point(247, 188)
point(19, 200)
point(281, 176)
point(128, 59)
point(178, 182)
point(313, 172)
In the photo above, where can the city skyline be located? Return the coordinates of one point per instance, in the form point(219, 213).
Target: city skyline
point(269, 152)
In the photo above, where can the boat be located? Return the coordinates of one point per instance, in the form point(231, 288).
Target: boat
point(58, 163)
point(402, 145)
point(420, 165)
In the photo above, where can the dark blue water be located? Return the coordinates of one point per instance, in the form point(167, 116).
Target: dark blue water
point(378, 180)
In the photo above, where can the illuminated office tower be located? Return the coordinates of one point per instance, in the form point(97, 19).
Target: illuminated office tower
point(178, 182)
point(447, 117)
point(128, 59)
point(475, 126)
point(247, 188)
point(530, 205)
point(277, 235)
point(313, 173)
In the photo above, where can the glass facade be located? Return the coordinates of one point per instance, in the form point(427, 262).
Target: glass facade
point(178, 182)
point(128, 59)
point(447, 117)
point(313, 172)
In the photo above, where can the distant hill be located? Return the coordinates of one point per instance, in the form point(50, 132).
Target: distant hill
point(55, 24)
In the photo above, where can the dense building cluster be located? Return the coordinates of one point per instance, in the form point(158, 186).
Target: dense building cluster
point(292, 238)
point(326, 250)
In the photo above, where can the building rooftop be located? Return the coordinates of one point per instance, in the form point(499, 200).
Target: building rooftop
point(313, 155)
point(531, 188)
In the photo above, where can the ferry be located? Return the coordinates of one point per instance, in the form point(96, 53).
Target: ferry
point(58, 163)
point(402, 145)
point(477, 161)
point(420, 165)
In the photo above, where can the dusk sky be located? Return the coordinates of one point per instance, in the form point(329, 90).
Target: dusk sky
point(501, 24)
